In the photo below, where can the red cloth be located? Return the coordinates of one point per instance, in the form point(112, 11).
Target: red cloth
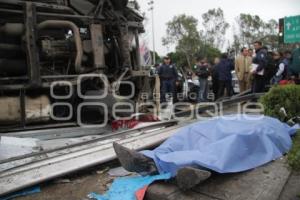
point(140, 194)
point(133, 122)
point(286, 82)
point(128, 124)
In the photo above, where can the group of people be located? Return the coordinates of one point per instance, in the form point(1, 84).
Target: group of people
point(254, 72)
point(265, 68)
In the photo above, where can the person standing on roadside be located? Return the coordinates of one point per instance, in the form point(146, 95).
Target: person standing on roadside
point(242, 68)
point(168, 76)
point(202, 71)
point(260, 62)
point(214, 77)
point(287, 57)
point(280, 68)
point(224, 69)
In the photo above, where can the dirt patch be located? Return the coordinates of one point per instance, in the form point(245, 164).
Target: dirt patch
point(291, 190)
point(75, 187)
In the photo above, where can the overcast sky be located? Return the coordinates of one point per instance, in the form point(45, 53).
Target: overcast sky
point(165, 10)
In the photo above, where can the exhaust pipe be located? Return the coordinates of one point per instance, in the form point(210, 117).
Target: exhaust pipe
point(78, 43)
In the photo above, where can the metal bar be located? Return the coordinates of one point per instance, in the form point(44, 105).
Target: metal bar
point(97, 45)
point(27, 86)
point(137, 51)
point(59, 76)
point(107, 136)
point(133, 24)
point(85, 19)
point(3, 10)
point(124, 47)
point(58, 133)
point(242, 94)
point(51, 7)
point(10, 47)
point(31, 48)
point(99, 8)
point(226, 102)
point(14, 78)
point(14, 87)
point(10, 129)
point(23, 108)
point(243, 98)
point(47, 16)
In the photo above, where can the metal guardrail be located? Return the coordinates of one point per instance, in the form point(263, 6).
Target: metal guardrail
point(224, 102)
point(101, 138)
point(62, 162)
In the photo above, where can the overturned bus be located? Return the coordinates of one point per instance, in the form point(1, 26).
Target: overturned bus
point(66, 62)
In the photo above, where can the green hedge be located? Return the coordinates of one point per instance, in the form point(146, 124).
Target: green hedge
point(278, 97)
point(287, 97)
point(294, 154)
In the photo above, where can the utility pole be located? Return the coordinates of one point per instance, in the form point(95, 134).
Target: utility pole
point(151, 8)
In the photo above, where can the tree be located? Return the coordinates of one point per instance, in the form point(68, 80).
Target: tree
point(157, 57)
point(252, 28)
point(182, 32)
point(178, 58)
point(270, 34)
point(189, 43)
point(208, 52)
point(215, 27)
point(236, 44)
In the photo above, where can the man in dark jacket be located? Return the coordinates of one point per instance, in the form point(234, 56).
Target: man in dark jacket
point(202, 72)
point(260, 60)
point(214, 78)
point(281, 68)
point(168, 76)
point(224, 69)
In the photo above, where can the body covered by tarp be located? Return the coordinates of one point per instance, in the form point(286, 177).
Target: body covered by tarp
point(225, 145)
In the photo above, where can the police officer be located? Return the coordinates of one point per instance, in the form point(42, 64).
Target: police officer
point(260, 60)
point(168, 76)
point(224, 69)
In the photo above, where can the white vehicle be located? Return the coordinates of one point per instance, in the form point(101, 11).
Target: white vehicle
point(235, 83)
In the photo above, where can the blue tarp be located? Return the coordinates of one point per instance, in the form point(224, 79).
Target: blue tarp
point(227, 144)
point(25, 192)
point(125, 188)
